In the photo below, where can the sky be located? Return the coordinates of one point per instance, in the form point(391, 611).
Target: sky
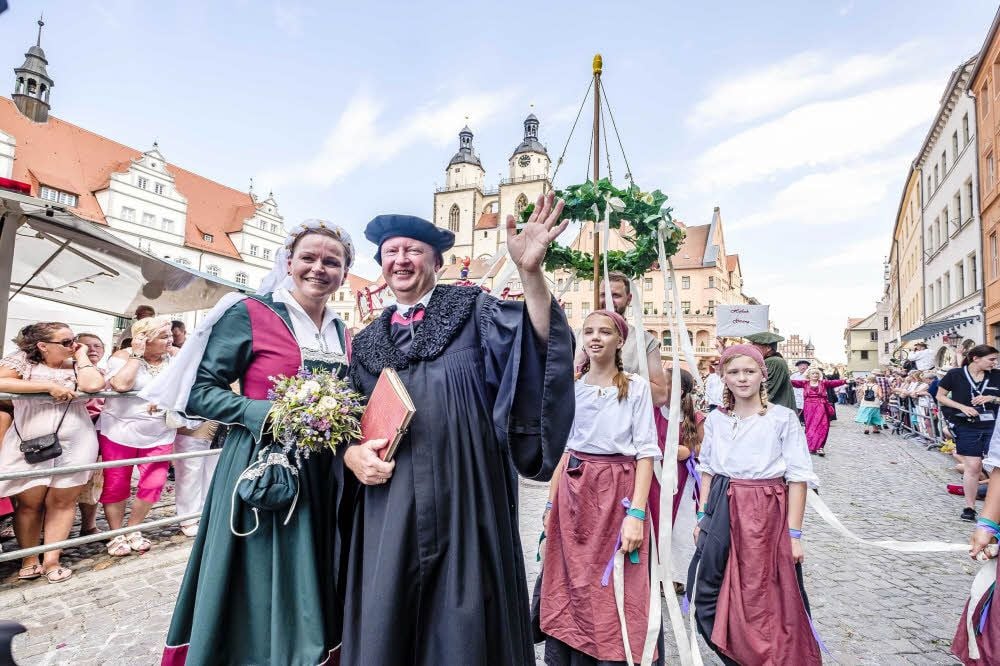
point(799, 120)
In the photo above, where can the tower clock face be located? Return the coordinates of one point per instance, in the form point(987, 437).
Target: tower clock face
point(524, 160)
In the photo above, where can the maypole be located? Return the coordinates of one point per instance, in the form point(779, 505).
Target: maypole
point(598, 66)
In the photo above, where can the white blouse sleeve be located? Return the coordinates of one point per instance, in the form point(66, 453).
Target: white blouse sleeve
point(643, 425)
point(992, 459)
point(707, 445)
point(795, 451)
point(115, 364)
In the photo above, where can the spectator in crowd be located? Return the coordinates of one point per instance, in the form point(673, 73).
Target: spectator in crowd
point(884, 381)
point(126, 343)
point(852, 387)
point(132, 428)
point(50, 361)
point(969, 397)
point(179, 331)
point(144, 312)
point(713, 388)
point(91, 493)
point(801, 367)
point(870, 409)
point(193, 475)
point(922, 357)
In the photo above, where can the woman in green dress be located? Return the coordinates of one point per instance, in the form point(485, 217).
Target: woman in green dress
point(273, 596)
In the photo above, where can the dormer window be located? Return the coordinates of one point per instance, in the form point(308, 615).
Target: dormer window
point(158, 188)
point(142, 183)
point(58, 196)
point(208, 238)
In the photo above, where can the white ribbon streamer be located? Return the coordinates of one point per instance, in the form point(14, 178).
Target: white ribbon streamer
point(980, 586)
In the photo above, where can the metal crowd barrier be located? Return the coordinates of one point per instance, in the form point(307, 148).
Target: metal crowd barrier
point(915, 422)
point(94, 466)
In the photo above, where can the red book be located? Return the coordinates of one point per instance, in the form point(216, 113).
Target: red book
point(388, 414)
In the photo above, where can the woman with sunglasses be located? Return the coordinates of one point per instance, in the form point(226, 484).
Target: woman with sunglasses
point(49, 361)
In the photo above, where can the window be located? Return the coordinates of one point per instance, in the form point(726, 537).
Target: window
point(973, 273)
point(965, 129)
point(944, 226)
point(947, 288)
point(347, 316)
point(559, 283)
point(267, 253)
point(647, 307)
point(585, 306)
point(885, 323)
point(208, 238)
point(885, 348)
point(711, 308)
point(990, 170)
point(521, 204)
point(254, 250)
point(873, 336)
point(929, 188)
point(937, 174)
point(984, 99)
point(58, 196)
point(954, 144)
point(453, 218)
point(937, 232)
point(864, 354)
point(148, 219)
point(960, 279)
point(167, 225)
point(486, 234)
point(128, 214)
point(274, 228)
point(576, 285)
point(262, 224)
point(184, 262)
point(568, 309)
point(685, 282)
point(212, 270)
point(944, 163)
point(711, 282)
point(667, 342)
point(956, 201)
point(143, 183)
point(647, 284)
point(686, 307)
point(241, 278)
point(158, 188)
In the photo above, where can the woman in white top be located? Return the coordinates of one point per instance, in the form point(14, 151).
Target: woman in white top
point(131, 427)
point(49, 361)
point(609, 456)
point(745, 577)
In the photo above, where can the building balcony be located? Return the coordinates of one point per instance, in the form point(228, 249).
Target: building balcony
point(455, 188)
point(523, 179)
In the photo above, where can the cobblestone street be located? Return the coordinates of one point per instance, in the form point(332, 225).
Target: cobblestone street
point(870, 606)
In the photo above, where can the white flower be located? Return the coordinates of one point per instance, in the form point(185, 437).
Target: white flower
point(647, 198)
point(310, 386)
point(328, 403)
point(616, 204)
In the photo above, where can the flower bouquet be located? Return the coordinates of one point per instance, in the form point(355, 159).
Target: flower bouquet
point(312, 411)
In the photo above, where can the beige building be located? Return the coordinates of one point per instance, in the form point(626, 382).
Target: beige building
point(861, 345)
point(909, 254)
point(794, 348)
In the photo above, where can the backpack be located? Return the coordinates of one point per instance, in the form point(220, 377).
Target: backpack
point(869, 394)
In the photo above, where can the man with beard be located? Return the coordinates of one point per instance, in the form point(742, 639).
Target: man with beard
point(435, 569)
point(779, 386)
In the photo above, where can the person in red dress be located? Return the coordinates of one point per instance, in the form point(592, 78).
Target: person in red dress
point(817, 408)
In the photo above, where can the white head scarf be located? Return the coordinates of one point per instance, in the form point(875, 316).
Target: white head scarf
point(170, 389)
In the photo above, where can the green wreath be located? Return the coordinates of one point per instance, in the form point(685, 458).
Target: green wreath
point(643, 211)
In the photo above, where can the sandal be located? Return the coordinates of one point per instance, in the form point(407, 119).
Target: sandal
point(58, 575)
point(138, 543)
point(119, 547)
point(33, 572)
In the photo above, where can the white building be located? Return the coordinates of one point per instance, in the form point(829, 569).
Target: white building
point(953, 285)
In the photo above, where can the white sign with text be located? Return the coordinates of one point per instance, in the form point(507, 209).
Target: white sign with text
point(737, 321)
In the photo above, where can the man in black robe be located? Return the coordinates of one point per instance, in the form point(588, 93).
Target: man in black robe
point(435, 569)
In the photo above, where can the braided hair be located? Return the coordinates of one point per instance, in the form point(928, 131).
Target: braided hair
point(620, 379)
point(729, 400)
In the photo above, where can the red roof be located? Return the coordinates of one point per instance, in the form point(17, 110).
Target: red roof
point(69, 158)
point(357, 283)
point(732, 261)
point(488, 221)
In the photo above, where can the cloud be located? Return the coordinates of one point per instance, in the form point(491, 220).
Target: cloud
point(867, 252)
point(358, 139)
point(831, 197)
point(782, 85)
point(817, 134)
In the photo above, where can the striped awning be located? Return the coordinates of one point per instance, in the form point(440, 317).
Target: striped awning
point(933, 328)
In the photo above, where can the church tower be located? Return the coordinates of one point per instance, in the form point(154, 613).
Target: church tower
point(32, 84)
point(457, 204)
point(529, 172)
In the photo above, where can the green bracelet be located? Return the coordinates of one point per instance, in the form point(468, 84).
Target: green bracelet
point(636, 513)
point(700, 514)
point(987, 521)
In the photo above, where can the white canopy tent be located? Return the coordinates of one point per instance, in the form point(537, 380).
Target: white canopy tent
point(49, 253)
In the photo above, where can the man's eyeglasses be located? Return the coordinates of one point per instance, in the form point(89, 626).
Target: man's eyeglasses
point(65, 343)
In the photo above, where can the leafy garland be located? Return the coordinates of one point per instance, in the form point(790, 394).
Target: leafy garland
point(644, 212)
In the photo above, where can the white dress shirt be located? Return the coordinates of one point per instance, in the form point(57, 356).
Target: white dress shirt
point(924, 359)
point(713, 389)
point(604, 426)
point(800, 394)
point(757, 447)
point(317, 343)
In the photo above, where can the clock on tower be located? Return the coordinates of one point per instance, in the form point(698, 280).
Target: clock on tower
point(524, 160)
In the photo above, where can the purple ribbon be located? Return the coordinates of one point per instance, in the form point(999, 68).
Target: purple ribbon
point(819, 641)
point(685, 604)
point(693, 473)
point(606, 578)
point(986, 611)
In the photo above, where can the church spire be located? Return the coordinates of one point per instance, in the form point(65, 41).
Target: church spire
point(32, 83)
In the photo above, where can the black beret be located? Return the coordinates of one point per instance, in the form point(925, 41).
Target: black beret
point(384, 227)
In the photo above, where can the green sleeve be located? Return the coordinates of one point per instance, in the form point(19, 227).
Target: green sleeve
point(229, 353)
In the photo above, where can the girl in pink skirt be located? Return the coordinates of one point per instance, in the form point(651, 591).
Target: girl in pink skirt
point(597, 506)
